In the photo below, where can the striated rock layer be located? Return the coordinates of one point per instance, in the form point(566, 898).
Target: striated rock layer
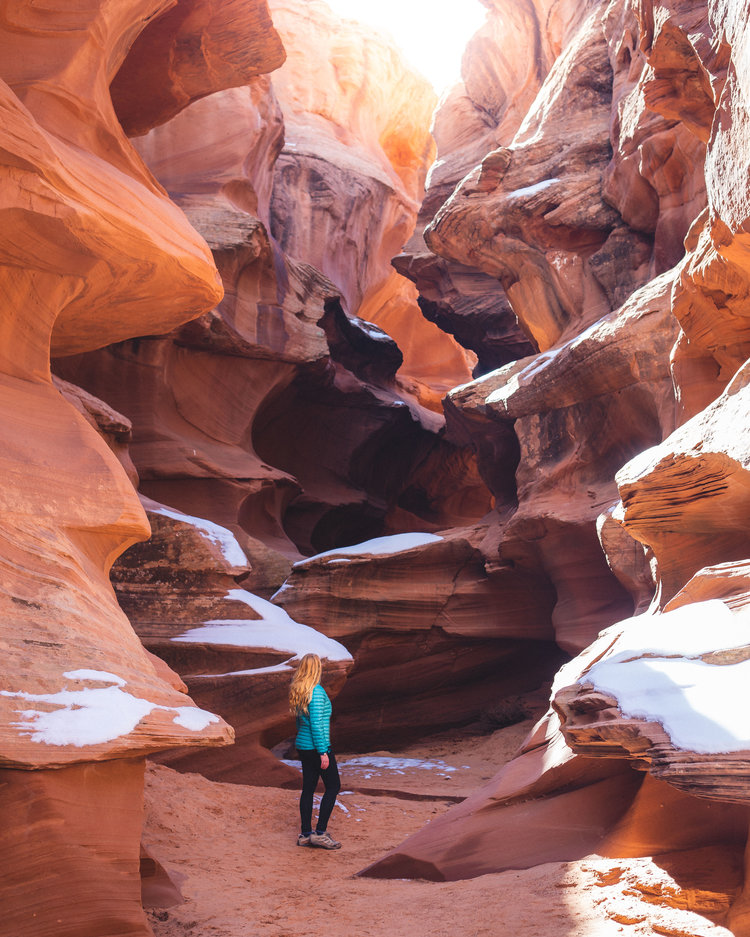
point(234, 650)
point(308, 438)
point(434, 633)
point(284, 415)
point(584, 235)
point(91, 251)
point(615, 220)
point(350, 178)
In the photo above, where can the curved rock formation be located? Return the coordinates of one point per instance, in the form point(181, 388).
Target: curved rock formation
point(279, 353)
point(350, 178)
point(576, 413)
point(92, 251)
point(194, 49)
point(422, 614)
point(585, 233)
point(235, 651)
point(502, 70)
point(654, 703)
point(662, 690)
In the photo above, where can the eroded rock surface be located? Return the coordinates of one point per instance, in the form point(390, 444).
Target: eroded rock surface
point(422, 613)
point(655, 234)
point(309, 438)
point(234, 650)
point(584, 234)
point(350, 179)
point(195, 48)
point(92, 251)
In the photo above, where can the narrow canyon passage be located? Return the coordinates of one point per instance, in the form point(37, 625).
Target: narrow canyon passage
point(300, 357)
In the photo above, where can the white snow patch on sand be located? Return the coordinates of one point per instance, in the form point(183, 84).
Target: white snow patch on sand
point(376, 764)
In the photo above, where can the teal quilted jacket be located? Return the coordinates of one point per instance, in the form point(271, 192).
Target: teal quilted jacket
point(314, 727)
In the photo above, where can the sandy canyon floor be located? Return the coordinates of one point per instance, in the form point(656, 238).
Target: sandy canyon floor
point(233, 849)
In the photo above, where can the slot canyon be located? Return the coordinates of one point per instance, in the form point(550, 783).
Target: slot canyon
point(452, 391)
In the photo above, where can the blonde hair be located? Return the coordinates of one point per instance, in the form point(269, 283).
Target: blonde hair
point(304, 681)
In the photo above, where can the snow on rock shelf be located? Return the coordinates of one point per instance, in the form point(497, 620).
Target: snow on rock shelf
point(417, 611)
point(234, 650)
point(668, 691)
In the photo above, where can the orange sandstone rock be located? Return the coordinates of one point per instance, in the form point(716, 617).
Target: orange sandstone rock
point(195, 48)
point(544, 189)
point(574, 413)
point(91, 251)
point(235, 652)
point(350, 178)
point(418, 611)
point(282, 359)
point(687, 499)
point(71, 850)
point(676, 535)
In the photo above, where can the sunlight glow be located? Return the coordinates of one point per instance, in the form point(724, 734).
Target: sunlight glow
point(431, 34)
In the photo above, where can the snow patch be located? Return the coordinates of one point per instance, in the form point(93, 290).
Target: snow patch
point(655, 672)
point(688, 631)
point(95, 715)
point(380, 546)
point(370, 329)
point(274, 630)
point(532, 189)
point(394, 765)
point(220, 536)
point(104, 675)
point(537, 364)
point(255, 672)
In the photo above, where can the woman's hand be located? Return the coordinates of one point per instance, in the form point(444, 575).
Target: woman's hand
point(324, 761)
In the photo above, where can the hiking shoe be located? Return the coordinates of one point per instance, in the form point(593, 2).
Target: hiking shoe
point(324, 841)
point(304, 839)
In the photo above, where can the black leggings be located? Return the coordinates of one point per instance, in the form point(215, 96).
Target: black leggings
point(311, 771)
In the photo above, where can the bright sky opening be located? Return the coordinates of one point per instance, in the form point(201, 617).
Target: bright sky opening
point(432, 34)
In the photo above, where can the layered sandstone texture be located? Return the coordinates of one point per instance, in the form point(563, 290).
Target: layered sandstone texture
point(92, 251)
point(302, 414)
point(583, 240)
point(234, 650)
point(350, 179)
point(292, 348)
point(615, 218)
point(433, 631)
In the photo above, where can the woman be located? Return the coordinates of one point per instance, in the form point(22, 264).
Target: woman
point(310, 704)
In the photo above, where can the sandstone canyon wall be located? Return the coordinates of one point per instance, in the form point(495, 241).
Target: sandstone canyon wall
point(299, 415)
point(317, 466)
point(92, 252)
point(286, 415)
point(624, 268)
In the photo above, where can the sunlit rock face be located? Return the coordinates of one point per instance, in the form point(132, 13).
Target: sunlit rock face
point(308, 437)
point(234, 650)
point(662, 691)
point(92, 251)
point(350, 178)
point(291, 450)
point(645, 744)
point(503, 68)
point(577, 413)
point(287, 420)
point(423, 613)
